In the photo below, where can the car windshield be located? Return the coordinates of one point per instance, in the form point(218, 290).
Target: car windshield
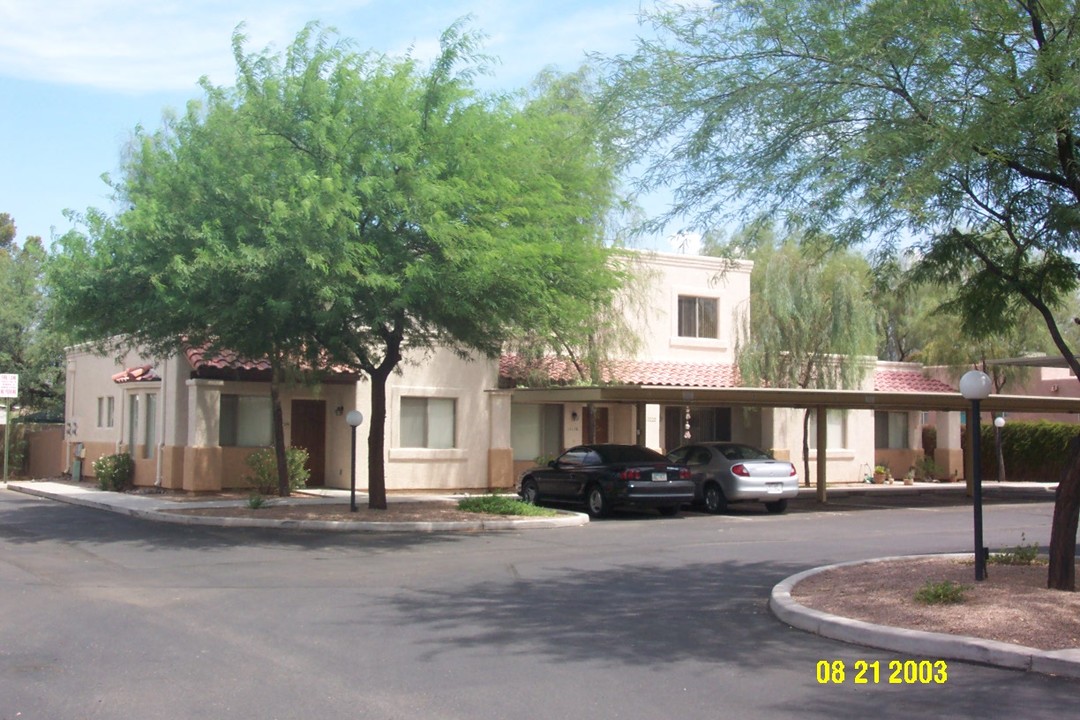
point(629, 454)
point(744, 452)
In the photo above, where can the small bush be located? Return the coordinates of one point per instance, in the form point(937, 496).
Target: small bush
point(1020, 555)
point(256, 501)
point(945, 592)
point(263, 465)
point(927, 469)
point(115, 472)
point(502, 505)
point(929, 440)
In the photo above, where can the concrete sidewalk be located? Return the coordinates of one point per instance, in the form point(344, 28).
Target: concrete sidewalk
point(157, 507)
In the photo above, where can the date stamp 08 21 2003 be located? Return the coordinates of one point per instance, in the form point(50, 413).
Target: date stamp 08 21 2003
point(874, 672)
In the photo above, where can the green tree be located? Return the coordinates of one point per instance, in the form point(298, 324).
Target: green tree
point(810, 323)
point(951, 123)
point(352, 208)
point(27, 346)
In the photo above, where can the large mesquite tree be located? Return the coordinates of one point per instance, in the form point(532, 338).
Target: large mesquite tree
point(350, 208)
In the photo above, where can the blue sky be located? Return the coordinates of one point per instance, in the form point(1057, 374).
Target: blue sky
point(77, 76)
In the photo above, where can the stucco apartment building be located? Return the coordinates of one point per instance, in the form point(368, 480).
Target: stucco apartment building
point(190, 420)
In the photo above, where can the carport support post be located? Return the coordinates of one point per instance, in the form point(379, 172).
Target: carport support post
point(822, 451)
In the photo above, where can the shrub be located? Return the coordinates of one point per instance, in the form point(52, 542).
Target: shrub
point(501, 505)
point(256, 501)
point(929, 440)
point(263, 465)
point(1020, 555)
point(115, 472)
point(1034, 451)
point(927, 469)
point(18, 444)
point(941, 593)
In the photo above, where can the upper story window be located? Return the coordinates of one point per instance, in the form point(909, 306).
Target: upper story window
point(698, 317)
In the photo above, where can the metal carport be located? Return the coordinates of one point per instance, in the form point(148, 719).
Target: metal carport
point(821, 400)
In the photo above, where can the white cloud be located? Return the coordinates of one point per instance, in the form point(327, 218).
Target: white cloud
point(166, 45)
point(135, 46)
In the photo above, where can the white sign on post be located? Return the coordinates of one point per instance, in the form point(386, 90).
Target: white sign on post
point(9, 385)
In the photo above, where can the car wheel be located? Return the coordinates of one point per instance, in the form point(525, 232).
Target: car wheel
point(715, 501)
point(669, 510)
point(596, 503)
point(530, 491)
point(776, 506)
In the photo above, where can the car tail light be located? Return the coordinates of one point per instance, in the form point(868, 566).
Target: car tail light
point(793, 472)
point(630, 475)
point(684, 473)
point(740, 470)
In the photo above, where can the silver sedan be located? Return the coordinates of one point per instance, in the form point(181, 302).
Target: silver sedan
point(725, 472)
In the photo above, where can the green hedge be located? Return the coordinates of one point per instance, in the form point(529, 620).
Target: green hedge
point(1034, 451)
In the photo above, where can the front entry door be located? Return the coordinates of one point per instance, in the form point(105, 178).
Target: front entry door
point(309, 432)
point(594, 425)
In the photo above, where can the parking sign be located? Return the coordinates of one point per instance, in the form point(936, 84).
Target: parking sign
point(9, 385)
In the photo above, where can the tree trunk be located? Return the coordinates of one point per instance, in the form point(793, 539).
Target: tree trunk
point(279, 434)
point(376, 443)
point(1062, 572)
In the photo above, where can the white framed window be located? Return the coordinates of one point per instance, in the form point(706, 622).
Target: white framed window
point(536, 431)
point(699, 317)
point(891, 430)
point(835, 429)
point(150, 426)
point(106, 411)
point(428, 422)
point(246, 421)
point(133, 422)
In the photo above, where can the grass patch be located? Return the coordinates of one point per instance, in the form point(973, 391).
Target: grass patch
point(945, 592)
point(1020, 555)
point(502, 505)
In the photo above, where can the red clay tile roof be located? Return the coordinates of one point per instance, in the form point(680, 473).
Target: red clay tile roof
point(561, 371)
point(908, 381)
point(143, 373)
point(226, 363)
point(223, 360)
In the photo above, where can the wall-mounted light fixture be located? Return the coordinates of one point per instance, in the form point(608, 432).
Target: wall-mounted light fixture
point(339, 410)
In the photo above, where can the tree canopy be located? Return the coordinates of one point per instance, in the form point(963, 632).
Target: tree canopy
point(28, 347)
point(950, 126)
point(810, 322)
point(350, 207)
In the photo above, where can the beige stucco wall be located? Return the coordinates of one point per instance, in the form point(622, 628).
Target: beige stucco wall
point(442, 374)
point(653, 311)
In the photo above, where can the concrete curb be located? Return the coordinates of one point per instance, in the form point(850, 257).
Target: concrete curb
point(916, 643)
point(150, 508)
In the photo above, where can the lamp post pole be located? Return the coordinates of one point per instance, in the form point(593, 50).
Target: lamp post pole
point(354, 418)
point(975, 386)
point(976, 469)
point(7, 426)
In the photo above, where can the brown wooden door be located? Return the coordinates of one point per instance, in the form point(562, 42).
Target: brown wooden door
point(594, 424)
point(309, 432)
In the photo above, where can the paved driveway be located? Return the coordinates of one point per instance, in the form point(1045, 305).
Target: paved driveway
point(639, 617)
